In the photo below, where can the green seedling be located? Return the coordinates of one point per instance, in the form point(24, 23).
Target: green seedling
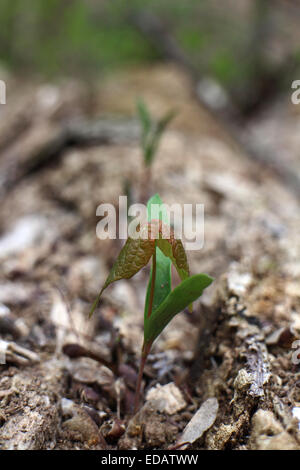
point(162, 303)
point(152, 130)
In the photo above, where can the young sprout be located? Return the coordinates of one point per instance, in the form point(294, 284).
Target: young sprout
point(151, 131)
point(162, 303)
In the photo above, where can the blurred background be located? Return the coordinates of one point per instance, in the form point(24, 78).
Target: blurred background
point(250, 47)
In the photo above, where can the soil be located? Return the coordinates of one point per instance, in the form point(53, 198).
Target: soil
point(72, 386)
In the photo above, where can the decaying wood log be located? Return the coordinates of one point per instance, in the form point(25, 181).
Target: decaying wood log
point(249, 317)
point(44, 143)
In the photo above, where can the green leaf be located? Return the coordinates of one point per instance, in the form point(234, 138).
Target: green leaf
point(152, 131)
point(148, 153)
point(163, 264)
point(161, 126)
point(169, 246)
point(147, 131)
point(162, 282)
point(174, 250)
point(165, 121)
point(162, 214)
point(134, 255)
point(144, 116)
point(187, 292)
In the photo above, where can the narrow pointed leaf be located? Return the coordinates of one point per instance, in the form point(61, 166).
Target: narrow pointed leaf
point(165, 121)
point(161, 126)
point(163, 265)
point(144, 116)
point(185, 293)
point(134, 255)
point(162, 281)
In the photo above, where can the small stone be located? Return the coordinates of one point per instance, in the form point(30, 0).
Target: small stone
point(268, 434)
point(166, 398)
point(243, 381)
point(292, 289)
point(237, 282)
point(112, 430)
point(150, 426)
point(296, 414)
point(81, 427)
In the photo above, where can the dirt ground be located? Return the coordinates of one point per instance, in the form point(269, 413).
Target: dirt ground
point(68, 382)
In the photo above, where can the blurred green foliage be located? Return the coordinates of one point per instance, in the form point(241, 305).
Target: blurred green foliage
point(72, 36)
point(152, 130)
point(83, 37)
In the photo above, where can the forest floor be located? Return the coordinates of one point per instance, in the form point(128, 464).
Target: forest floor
point(68, 382)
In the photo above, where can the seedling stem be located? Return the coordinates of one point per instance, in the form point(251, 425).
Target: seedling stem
point(146, 347)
